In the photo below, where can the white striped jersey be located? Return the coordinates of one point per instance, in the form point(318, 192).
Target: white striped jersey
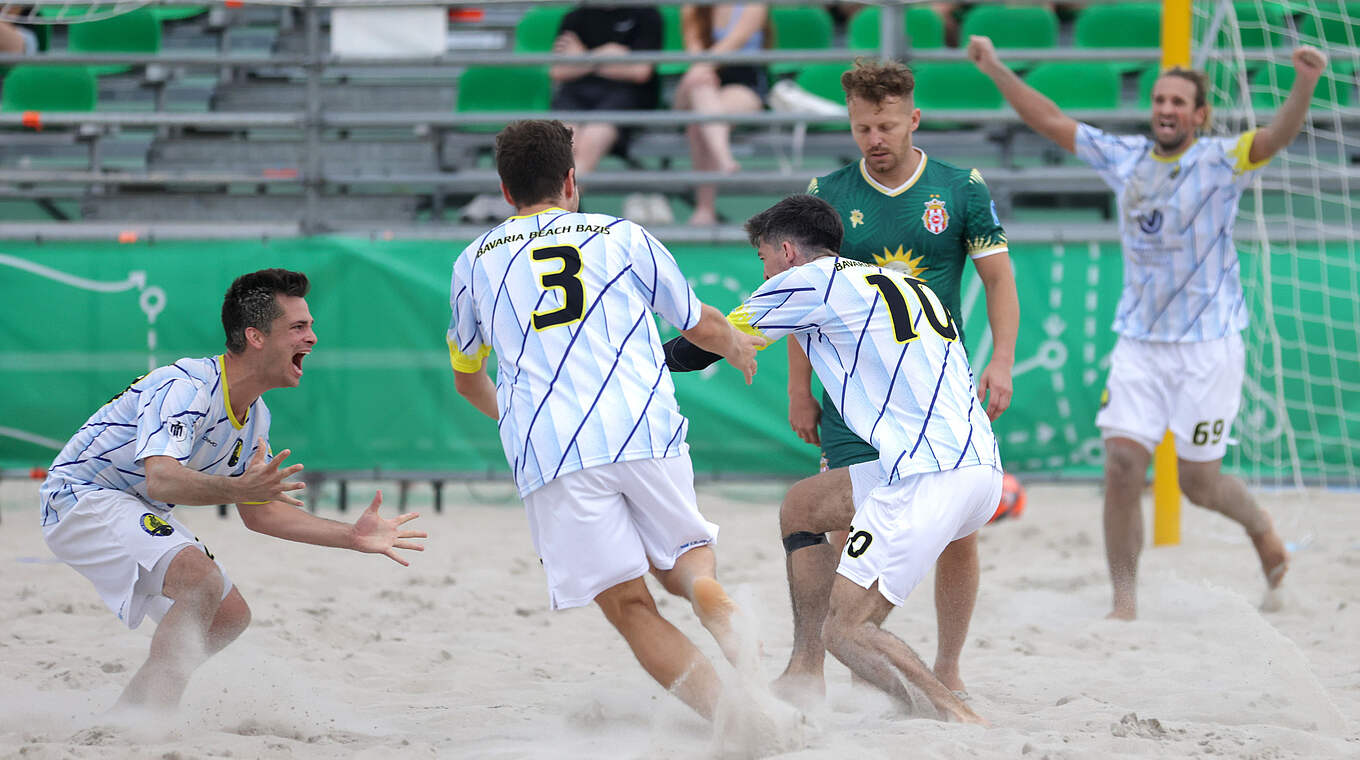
point(1182, 281)
point(566, 300)
point(887, 353)
point(182, 410)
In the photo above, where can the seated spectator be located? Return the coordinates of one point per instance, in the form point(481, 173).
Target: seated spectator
point(709, 88)
point(611, 31)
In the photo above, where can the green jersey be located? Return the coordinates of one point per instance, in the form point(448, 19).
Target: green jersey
point(941, 216)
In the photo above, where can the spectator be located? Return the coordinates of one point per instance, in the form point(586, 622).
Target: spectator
point(711, 88)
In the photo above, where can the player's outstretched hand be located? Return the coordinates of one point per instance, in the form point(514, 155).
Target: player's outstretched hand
point(378, 535)
point(982, 53)
point(1309, 60)
point(742, 353)
point(997, 381)
point(265, 481)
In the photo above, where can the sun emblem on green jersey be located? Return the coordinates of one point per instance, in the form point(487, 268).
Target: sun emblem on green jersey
point(902, 261)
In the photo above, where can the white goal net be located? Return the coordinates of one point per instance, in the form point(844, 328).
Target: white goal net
point(1300, 419)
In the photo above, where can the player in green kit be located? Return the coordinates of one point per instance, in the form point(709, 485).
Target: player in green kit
point(902, 209)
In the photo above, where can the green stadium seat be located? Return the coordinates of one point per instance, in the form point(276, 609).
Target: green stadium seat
point(923, 28)
point(824, 80)
point(1335, 24)
point(177, 12)
point(1259, 23)
point(1012, 26)
point(1077, 84)
point(1270, 86)
point(1119, 25)
point(136, 31)
point(801, 27)
point(37, 87)
point(495, 88)
point(672, 40)
point(537, 28)
point(952, 85)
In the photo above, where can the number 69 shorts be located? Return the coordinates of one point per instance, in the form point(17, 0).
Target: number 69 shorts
point(900, 529)
point(1193, 389)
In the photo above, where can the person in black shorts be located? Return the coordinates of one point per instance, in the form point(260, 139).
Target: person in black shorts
point(604, 31)
point(709, 88)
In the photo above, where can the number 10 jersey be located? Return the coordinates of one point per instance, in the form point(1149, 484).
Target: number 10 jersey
point(566, 300)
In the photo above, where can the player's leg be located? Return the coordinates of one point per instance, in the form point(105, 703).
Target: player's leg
point(662, 650)
point(957, 573)
point(181, 642)
point(1202, 423)
point(1126, 463)
point(1134, 415)
point(812, 507)
point(1206, 485)
point(879, 657)
point(591, 143)
point(694, 577)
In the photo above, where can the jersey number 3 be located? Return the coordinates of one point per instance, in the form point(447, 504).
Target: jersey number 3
point(935, 312)
point(567, 280)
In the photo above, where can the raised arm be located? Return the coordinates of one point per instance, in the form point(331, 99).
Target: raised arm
point(1272, 138)
point(1041, 114)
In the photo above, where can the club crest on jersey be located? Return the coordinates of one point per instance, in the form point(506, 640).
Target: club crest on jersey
point(856, 218)
point(178, 430)
point(936, 218)
point(235, 455)
point(155, 526)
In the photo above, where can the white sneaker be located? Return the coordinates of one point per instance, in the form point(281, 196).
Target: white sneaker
point(647, 209)
point(660, 209)
point(487, 207)
point(787, 96)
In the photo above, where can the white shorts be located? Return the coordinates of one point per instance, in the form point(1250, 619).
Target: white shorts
point(1193, 389)
point(900, 529)
point(598, 527)
point(123, 546)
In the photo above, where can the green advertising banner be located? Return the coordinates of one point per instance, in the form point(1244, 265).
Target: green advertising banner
point(81, 320)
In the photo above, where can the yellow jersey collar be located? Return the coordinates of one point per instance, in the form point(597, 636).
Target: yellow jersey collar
point(226, 395)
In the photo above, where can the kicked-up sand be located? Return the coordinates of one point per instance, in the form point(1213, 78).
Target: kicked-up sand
point(353, 656)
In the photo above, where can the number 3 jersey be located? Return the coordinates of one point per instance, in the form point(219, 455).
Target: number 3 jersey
point(887, 352)
point(566, 301)
point(182, 410)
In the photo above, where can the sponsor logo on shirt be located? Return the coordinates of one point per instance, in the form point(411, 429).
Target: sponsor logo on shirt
point(235, 455)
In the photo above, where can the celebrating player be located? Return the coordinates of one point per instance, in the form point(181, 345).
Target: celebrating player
point(194, 433)
point(1179, 360)
point(888, 353)
point(902, 209)
point(586, 408)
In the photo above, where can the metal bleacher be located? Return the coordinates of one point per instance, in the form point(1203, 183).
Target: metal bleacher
point(243, 124)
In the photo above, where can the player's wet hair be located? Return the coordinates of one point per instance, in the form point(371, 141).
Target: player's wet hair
point(875, 81)
point(533, 158)
point(805, 220)
point(1201, 82)
point(251, 302)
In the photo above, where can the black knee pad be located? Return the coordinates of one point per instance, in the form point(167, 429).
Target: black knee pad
point(802, 539)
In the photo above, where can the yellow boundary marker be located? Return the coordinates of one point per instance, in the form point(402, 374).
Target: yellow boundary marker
point(1166, 491)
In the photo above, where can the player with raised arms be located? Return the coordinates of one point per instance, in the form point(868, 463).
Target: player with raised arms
point(887, 352)
point(194, 433)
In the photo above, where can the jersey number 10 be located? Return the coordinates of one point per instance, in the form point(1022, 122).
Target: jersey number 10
point(934, 311)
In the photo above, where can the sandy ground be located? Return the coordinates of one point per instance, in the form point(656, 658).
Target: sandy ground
point(356, 657)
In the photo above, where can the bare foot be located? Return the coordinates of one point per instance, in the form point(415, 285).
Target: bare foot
point(1274, 556)
point(949, 676)
point(956, 711)
point(703, 218)
point(802, 690)
point(1119, 613)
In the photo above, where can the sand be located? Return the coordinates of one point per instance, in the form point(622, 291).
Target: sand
point(353, 656)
